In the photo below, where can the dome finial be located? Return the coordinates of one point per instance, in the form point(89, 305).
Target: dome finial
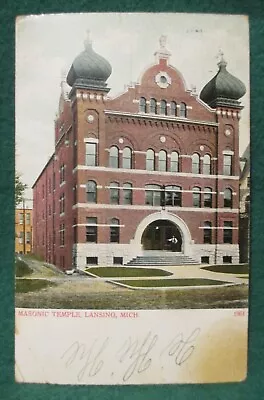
point(162, 53)
point(222, 62)
point(87, 41)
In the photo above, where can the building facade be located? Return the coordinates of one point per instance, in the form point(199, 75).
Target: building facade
point(154, 170)
point(244, 223)
point(23, 230)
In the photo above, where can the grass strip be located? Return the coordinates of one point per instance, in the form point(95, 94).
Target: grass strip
point(114, 272)
point(229, 268)
point(171, 282)
point(32, 285)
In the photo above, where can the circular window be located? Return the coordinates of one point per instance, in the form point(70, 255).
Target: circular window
point(163, 79)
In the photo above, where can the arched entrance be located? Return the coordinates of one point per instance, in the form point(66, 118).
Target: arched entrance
point(162, 234)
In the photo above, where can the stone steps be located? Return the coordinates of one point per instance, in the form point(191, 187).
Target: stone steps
point(162, 260)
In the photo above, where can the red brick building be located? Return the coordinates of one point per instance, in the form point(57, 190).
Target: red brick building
point(154, 171)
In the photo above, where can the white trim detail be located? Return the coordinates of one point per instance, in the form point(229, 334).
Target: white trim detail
point(154, 208)
point(100, 225)
point(164, 215)
point(228, 152)
point(147, 172)
point(160, 117)
point(91, 140)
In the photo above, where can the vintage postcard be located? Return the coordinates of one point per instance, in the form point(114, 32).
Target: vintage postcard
point(132, 198)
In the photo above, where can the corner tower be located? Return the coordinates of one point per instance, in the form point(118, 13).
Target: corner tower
point(222, 93)
point(87, 78)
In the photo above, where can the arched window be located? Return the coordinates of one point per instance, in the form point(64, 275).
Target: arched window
point(150, 160)
point(207, 232)
point(183, 110)
point(173, 196)
point(208, 197)
point(91, 192)
point(113, 157)
point(114, 230)
point(142, 105)
point(228, 198)
point(127, 193)
point(162, 160)
point(173, 107)
point(114, 193)
point(174, 162)
point(153, 106)
point(127, 158)
point(163, 107)
point(196, 197)
point(207, 164)
point(195, 163)
point(153, 195)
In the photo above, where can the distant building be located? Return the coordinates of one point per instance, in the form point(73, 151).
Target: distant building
point(131, 172)
point(23, 230)
point(244, 224)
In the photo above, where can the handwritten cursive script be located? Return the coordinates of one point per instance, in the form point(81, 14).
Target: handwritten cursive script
point(135, 356)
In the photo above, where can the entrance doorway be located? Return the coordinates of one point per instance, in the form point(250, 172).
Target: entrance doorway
point(161, 235)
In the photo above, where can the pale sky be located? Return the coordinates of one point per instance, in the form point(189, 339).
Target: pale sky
point(46, 45)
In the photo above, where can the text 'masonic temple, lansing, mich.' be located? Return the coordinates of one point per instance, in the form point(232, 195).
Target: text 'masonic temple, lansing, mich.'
point(153, 172)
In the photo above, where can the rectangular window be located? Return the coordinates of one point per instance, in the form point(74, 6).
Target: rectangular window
point(205, 260)
point(227, 259)
point(91, 260)
point(62, 203)
point(173, 196)
point(28, 237)
point(207, 232)
point(62, 173)
point(208, 198)
point(21, 237)
point(227, 164)
point(197, 199)
point(228, 232)
point(114, 234)
point(90, 154)
point(91, 229)
point(54, 180)
point(28, 218)
point(127, 193)
point(21, 218)
point(153, 197)
point(114, 193)
point(62, 234)
point(118, 260)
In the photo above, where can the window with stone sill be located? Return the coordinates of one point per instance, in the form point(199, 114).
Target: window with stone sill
point(196, 197)
point(114, 193)
point(91, 192)
point(228, 198)
point(207, 232)
point(208, 197)
point(150, 160)
point(114, 157)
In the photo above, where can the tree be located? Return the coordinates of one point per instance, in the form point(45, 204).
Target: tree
point(19, 189)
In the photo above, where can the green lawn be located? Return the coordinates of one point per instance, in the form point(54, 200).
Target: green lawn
point(114, 272)
point(170, 282)
point(22, 269)
point(120, 298)
point(32, 285)
point(229, 268)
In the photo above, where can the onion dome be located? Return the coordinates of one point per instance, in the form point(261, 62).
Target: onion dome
point(89, 69)
point(224, 89)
